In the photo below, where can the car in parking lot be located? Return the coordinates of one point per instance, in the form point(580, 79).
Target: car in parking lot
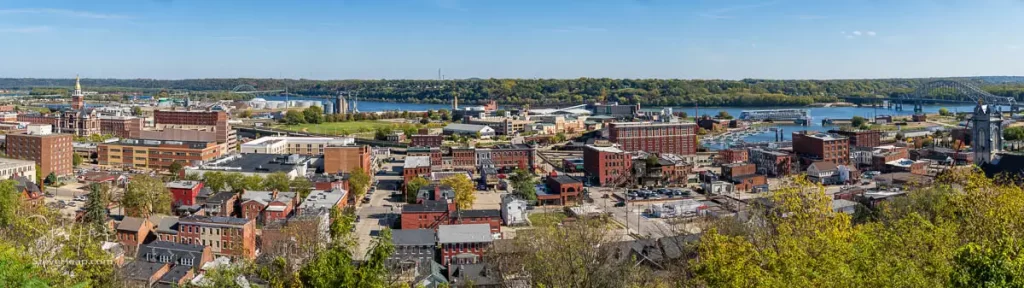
point(620, 204)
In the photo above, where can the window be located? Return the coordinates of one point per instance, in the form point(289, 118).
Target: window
point(164, 258)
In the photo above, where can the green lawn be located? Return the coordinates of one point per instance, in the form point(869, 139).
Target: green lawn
point(547, 219)
point(341, 128)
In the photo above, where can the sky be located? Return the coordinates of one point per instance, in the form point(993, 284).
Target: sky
point(412, 39)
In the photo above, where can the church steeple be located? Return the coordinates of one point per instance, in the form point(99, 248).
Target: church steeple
point(78, 84)
point(77, 97)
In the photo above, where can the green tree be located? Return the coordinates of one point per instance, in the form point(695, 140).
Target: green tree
point(465, 191)
point(277, 181)
point(252, 182)
point(359, 182)
point(96, 207)
point(146, 196)
point(294, 117)
point(724, 115)
point(558, 138)
point(76, 160)
point(945, 112)
point(858, 121)
point(245, 113)
point(193, 176)
point(51, 179)
point(1014, 133)
point(302, 185)
point(137, 111)
point(413, 187)
point(10, 200)
point(524, 184)
point(313, 115)
point(174, 168)
point(215, 180)
point(235, 181)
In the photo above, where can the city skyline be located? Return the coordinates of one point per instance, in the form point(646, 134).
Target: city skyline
point(794, 39)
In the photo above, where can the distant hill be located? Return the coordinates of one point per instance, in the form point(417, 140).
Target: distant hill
point(648, 92)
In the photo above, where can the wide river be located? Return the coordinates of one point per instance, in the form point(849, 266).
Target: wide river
point(817, 113)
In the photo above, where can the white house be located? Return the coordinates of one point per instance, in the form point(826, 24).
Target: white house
point(513, 210)
point(822, 172)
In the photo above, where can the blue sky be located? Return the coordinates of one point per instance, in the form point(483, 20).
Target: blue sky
point(411, 39)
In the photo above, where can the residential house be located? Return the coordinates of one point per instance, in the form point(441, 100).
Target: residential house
point(463, 244)
point(132, 232)
point(221, 204)
point(184, 192)
point(513, 210)
point(226, 236)
point(267, 206)
point(561, 190)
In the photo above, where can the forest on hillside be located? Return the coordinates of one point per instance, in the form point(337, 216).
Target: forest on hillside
point(543, 92)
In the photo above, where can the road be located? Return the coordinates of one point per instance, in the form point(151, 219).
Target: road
point(630, 215)
point(381, 211)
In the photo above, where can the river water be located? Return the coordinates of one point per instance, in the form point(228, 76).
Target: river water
point(371, 106)
point(817, 114)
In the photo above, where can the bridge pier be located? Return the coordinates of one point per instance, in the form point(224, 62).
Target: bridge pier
point(918, 107)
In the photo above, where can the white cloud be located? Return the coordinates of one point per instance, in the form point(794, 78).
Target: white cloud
point(26, 30)
point(856, 33)
point(63, 12)
point(723, 13)
point(871, 33)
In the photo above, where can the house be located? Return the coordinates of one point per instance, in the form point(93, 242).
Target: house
point(430, 214)
point(463, 244)
point(132, 232)
point(166, 264)
point(30, 192)
point(477, 275)
point(844, 206)
point(435, 192)
point(142, 273)
point(267, 206)
point(828, 173)
point(413, 259)
point(192, 256)
point(184, 192)
point(226, 236)
point(167, 229)
point(295, 235)
point(221, 204)
point(324, 200)
point(513, 210)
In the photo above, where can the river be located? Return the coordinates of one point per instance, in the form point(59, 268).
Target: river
point(371, 106)
point(818, 114)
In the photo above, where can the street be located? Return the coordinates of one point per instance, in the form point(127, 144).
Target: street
point(630, 215)
point(381, 211)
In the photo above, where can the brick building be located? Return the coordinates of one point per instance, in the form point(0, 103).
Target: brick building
point(184, 192)
point(52, 152)
point(463, 244)
point(226, 236)
point(606, 165)
point(561, 190)
point(121, 126)
point(861, 138)
point(771, 163)
point(431, 214)
point(426, 141)
point(732, 156)
point(434, 153)
point(155, 154)
point(812, 146)
point(733, 170)
point(217, 121)
point(464, 159)
point(507, 158)
point(655, 137)
point(415, 166)
point(132, 232)
point(345, 159)
point(268, 206)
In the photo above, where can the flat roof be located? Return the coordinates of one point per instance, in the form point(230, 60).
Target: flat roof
point(464, 233)
point(268, 140)
point(414, 237)
point(608, 149)
point(216, 220)
point(417, 161)
point(258, 163)
point(183, 184)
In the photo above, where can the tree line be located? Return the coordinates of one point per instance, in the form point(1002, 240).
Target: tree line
point(651, 92)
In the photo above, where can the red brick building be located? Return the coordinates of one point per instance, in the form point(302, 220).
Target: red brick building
point(771, 163)
point(184, 192)
point(861, 138)
point(732, 156)
point(132, 232)
point(733, 170)
point(226, 236)
point(606, 165)
point(190, 118)
point(655, 137)
point(433, 152)
point(268, 206)
point(561, 190)
point(464, 159)
point(345, 159)
point(121, 126)
point(463, 244)
point(52, 152)
point(426, 140)
point(415, 166)
point(812, 146)
point(510, 157)
point(431, 214)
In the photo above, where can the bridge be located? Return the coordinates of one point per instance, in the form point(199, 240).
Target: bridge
point(249, 89)
point(798, 116)
point(968, 93)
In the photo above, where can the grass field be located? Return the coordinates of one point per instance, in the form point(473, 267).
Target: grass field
point(341, 128)
point(547, 219)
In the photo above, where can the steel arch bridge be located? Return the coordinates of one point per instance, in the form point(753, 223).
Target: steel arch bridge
point(967, 92)
point(244, 88)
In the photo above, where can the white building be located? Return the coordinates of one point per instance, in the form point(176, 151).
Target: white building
point(513, 210)
point(13, 167)
point(718, 188)
point(294, 145)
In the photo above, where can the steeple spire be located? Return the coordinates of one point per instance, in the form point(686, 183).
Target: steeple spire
point(78, 85)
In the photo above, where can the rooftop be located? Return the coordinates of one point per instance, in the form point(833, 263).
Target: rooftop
point(426, 206)
point(131, 224)
point(464, 233)
point(821, 136)
point(140, 270)
point(258, 163)
point(183, 184)
point(220, 197)
point(417, 161)
point(175, 274)
point(607, 149)
point(6, 163)
point(320, 199)
point(466, 127)
point(414, 237)
point(564, 180)
point(157, 143)
point(269, 140)
point(215, 220)
point(491, 213)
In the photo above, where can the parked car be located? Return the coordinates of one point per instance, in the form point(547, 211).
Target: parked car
point(620, 204)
